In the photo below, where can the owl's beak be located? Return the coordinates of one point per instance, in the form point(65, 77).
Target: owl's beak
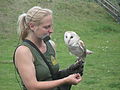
point(68, 42)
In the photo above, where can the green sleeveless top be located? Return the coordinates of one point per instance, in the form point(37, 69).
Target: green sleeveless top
point(42, 70)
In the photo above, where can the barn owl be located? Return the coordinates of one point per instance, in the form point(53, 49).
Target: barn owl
point(75, 45)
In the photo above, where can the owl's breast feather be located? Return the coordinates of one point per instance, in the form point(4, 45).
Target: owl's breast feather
point(76, 50)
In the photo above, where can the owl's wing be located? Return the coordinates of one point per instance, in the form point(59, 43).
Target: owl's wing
point(87, 50)
point(81, 45)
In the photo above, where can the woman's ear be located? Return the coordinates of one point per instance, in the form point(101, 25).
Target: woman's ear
point(32, 26)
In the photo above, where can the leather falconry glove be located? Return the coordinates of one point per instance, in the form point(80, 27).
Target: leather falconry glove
point(74, 68)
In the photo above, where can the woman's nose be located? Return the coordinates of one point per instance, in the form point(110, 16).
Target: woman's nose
point(51, 30)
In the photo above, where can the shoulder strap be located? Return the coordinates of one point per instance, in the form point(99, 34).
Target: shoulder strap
point(33, 45)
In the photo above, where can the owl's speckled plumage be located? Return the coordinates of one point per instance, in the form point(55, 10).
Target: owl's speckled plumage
point(75, 45)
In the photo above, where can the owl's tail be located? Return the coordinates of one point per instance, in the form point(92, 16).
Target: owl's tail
point(89, 52)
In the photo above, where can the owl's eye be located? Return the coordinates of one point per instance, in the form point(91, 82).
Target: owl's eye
point(71, 37)
point(66, 37)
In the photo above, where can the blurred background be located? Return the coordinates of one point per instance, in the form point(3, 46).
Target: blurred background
point(97, 22)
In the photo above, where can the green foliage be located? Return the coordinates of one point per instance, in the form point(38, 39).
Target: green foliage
point(96, 28)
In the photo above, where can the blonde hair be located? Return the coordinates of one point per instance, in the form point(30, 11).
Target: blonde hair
point(34, 15)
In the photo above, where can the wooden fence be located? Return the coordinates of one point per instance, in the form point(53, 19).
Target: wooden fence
point(111, 9)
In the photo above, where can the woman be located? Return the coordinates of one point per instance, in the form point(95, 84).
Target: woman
point(35, 73)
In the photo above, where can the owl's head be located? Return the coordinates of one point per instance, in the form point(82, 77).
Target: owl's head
point(71, 37)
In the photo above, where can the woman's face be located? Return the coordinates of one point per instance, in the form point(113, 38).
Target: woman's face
point(45, 28)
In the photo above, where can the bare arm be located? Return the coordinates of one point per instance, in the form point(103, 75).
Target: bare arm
point(24, 63)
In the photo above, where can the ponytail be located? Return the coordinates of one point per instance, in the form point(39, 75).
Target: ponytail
point(22, 26)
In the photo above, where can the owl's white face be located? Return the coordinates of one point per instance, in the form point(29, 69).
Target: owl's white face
point(70, 37)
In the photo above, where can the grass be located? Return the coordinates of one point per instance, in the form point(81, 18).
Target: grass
point(96, 28)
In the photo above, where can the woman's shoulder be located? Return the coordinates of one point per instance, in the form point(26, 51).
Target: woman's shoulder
point(22, 49)
point(23, 52)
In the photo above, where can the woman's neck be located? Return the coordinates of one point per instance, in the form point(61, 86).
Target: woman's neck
point(38, 42)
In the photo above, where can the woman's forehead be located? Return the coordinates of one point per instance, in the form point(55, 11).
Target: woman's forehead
point(47, 20)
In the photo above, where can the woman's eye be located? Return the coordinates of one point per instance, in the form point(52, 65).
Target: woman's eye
point(46, 27)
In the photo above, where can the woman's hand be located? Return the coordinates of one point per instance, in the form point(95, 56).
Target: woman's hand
point(73, 79)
